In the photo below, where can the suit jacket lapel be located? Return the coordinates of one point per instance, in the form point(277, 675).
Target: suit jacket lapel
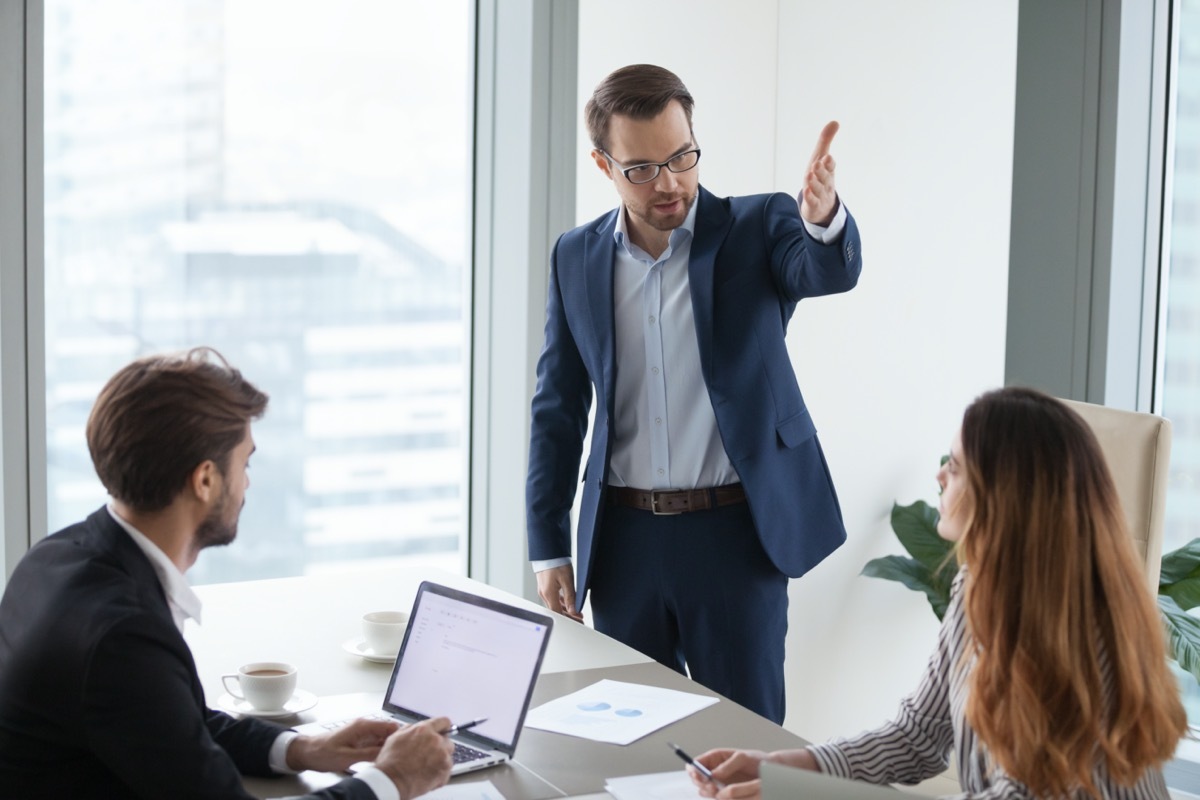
point(598, 256)
point(712, 226)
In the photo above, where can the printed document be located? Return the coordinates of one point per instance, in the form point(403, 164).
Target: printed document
point(615, 712)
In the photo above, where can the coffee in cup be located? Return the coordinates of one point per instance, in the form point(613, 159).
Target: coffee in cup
point(384, 631)
point(265, 685)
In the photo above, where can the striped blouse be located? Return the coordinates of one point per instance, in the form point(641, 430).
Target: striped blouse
point(932, 721)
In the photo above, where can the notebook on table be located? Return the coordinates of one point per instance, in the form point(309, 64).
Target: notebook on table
point(466, 657)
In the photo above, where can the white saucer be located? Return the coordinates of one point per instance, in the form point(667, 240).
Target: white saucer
point(358, 647)
point(301, 701)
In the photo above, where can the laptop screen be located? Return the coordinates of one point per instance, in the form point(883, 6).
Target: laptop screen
point(466, 657)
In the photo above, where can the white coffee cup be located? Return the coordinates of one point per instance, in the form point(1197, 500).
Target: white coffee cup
point(384, 631)
point(266, 685)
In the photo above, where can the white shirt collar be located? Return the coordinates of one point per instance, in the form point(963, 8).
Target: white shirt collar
point(183, 601)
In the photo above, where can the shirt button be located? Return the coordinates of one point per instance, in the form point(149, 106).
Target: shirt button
point(658, 420)
point(660, 472)
point(651, 319)
point(654, 370)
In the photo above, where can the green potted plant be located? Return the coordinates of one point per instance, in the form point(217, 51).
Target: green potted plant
point(930, 568)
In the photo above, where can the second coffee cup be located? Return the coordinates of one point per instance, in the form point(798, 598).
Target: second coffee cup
point(384, 631)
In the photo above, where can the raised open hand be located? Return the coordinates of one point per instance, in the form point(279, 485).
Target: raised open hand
point(818, 196)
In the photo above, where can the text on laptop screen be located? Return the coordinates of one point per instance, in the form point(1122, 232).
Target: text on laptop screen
point(465, 662)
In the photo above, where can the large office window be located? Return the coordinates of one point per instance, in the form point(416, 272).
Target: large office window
point(1178, 377)
point(288, 181)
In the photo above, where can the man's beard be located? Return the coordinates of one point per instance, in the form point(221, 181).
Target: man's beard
point(647, 214)
point(215, 530)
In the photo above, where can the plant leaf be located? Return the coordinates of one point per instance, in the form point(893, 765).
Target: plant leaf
point(1183, 633)
point(916, 528)
point(912, 574)
point(1185, 592)
point(1181, 564)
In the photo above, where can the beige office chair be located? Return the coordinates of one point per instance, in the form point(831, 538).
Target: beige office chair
point(1138, 450)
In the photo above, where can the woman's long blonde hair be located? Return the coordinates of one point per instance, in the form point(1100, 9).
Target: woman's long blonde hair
point(1070, 662)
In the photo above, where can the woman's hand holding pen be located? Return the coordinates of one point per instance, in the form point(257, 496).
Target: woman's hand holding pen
point(737, 769)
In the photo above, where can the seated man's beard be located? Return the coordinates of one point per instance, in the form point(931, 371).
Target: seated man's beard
point(215, 531)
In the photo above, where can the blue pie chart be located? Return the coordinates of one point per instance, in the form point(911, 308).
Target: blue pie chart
point(599, 705)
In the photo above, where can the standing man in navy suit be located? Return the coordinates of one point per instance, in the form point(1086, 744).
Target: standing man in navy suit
point(705, 488)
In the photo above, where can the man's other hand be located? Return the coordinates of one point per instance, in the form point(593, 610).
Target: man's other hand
point(556, 587)
point(335, 751)
point(418, 757)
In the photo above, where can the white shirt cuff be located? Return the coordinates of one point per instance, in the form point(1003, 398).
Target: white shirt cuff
point(379, 782)
point(277, 756)
point(550, 564)
point(827, 234)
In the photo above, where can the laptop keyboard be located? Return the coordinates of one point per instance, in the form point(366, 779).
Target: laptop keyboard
point(463, 753)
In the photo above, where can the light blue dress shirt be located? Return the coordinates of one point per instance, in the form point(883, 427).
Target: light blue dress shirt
point(664, 431)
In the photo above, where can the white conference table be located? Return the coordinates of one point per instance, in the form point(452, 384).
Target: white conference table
point(305, 621)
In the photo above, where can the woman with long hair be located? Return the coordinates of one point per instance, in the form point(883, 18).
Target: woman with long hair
point(1050, 677)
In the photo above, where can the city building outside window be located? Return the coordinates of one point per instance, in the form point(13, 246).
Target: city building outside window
point(287, 181)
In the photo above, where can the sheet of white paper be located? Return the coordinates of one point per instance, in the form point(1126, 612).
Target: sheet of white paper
point(615, 712)
point(475, 790)
point(656, 786)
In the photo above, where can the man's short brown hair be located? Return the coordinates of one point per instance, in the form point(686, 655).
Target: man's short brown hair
point(162, 416)
point(639, 91)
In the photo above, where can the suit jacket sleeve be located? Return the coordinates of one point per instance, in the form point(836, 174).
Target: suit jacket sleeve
point(802, 266)
point(558, 423)
point(141, 718)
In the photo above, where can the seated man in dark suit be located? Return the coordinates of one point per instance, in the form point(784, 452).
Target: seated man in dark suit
point(99, 696)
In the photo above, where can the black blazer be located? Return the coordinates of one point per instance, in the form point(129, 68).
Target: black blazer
point(99, 696)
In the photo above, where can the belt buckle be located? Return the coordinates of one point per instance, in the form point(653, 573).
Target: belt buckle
point(654, 496)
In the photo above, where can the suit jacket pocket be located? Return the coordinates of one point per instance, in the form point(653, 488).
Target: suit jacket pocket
point(796, 429)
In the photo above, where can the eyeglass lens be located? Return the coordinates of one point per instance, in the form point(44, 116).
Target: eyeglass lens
point(644, 173)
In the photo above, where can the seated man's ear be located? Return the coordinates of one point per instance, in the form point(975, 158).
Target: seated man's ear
point(205, 482)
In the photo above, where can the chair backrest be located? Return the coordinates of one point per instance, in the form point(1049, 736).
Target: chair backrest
point(1137, 448)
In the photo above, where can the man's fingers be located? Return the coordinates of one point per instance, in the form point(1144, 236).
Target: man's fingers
point(823, 141)
point(568, 602)
point(823, 169)
point(568, 599)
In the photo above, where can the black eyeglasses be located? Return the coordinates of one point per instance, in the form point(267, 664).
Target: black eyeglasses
point(644, 173)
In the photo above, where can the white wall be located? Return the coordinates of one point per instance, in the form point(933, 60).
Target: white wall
point(925, 94)
point(924, 91)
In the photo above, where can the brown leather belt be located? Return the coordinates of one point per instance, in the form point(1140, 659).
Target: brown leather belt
point(676, 502)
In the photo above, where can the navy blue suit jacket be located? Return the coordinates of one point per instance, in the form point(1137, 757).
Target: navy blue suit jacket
point(99, 696)
point(751, 261)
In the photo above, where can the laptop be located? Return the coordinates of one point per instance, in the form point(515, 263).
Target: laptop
point(787, 783)
point(467, 657)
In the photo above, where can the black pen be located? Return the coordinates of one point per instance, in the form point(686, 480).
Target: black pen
point(453, 729)
point(703, 770)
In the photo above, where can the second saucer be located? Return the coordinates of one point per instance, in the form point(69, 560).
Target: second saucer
point(359, 647)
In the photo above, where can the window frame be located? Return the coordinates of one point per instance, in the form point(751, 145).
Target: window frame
point(1084, 258)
